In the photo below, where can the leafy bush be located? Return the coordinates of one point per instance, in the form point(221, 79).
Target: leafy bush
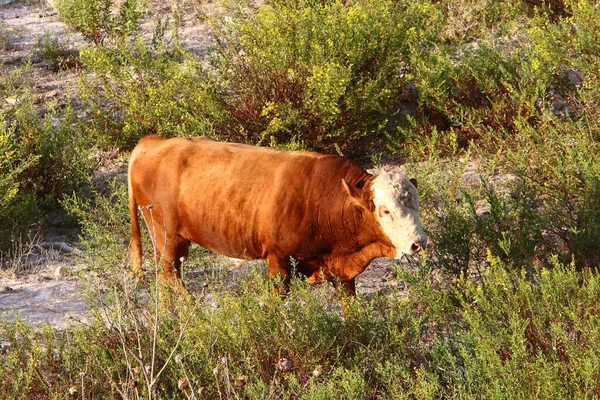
point(328, 74)
point(56, 52)
point(13, 202)
point(63, 153)
point(105, 225)
point(304, 87)
point(530, 339)
point(473, 210)
point(42, 160)
point(95, 19)
point(146, 89)
point(476, 339)
point(563, 174)
point(482, 93)
point(522, 205)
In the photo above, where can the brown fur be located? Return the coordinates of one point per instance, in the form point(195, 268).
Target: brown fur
point(254, 203)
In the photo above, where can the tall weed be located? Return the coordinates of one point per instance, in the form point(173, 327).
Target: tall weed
point(100, 20)
point(563, 175)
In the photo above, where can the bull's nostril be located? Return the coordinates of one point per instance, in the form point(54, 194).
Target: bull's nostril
point(415, 247)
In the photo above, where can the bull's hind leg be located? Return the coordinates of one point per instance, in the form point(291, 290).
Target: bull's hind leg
point(278, 268)
point(175, 251)
point(182, 252)
point(170, 251)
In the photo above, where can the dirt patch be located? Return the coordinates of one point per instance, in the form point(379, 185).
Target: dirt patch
point(56, 302)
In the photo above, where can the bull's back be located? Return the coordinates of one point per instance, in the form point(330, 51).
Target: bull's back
point(234, 199)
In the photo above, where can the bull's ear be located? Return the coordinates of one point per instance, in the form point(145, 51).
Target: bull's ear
point(354, 192)
point(414, 182)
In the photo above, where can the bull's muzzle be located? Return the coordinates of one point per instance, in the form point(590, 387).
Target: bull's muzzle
point(419, 244)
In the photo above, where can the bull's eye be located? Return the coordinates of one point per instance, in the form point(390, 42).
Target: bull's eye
point(384, 212)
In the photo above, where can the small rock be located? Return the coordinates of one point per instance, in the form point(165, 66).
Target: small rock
point(203, 391)
point(73, 390)
point(183, 384)
point(240, 381)
point(4, 348)
point(284, 365)
point(316, 372)
point(7, 289)
point(60, 246)
point(61, 271)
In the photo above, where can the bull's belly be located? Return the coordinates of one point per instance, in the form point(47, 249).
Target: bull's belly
point(229, 247)
point(244, 254)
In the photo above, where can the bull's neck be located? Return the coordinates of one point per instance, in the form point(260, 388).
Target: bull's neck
point(362, 232)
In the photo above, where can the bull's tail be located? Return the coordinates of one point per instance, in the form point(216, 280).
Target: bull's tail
point(135, 245)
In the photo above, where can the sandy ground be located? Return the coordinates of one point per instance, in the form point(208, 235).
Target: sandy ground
point(56, 302)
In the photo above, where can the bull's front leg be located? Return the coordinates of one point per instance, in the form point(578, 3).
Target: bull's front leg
point(278, 268)
point(347, 292)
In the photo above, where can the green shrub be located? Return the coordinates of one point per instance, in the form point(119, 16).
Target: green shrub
point(62, 151)
point(146, 89)
point(469, 209)
point(328, 74)
point(480, 92)
point(470, 339)
point(42, 160)
point(304, 87)
point(96, 20)
point(529, 339)
point(105, 230)
point(56, 52)
point(13, 202)
point(563, 174)
point(34, 365)
point(246, 343)
point(546, 204)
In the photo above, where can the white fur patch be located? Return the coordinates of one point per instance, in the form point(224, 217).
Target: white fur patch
point(397, 209)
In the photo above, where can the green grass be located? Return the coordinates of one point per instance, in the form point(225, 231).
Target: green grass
point(510, 334)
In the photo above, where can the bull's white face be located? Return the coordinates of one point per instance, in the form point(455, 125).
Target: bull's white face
point(397, 209)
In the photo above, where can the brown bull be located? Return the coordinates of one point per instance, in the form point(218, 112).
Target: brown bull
point(251, 202)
